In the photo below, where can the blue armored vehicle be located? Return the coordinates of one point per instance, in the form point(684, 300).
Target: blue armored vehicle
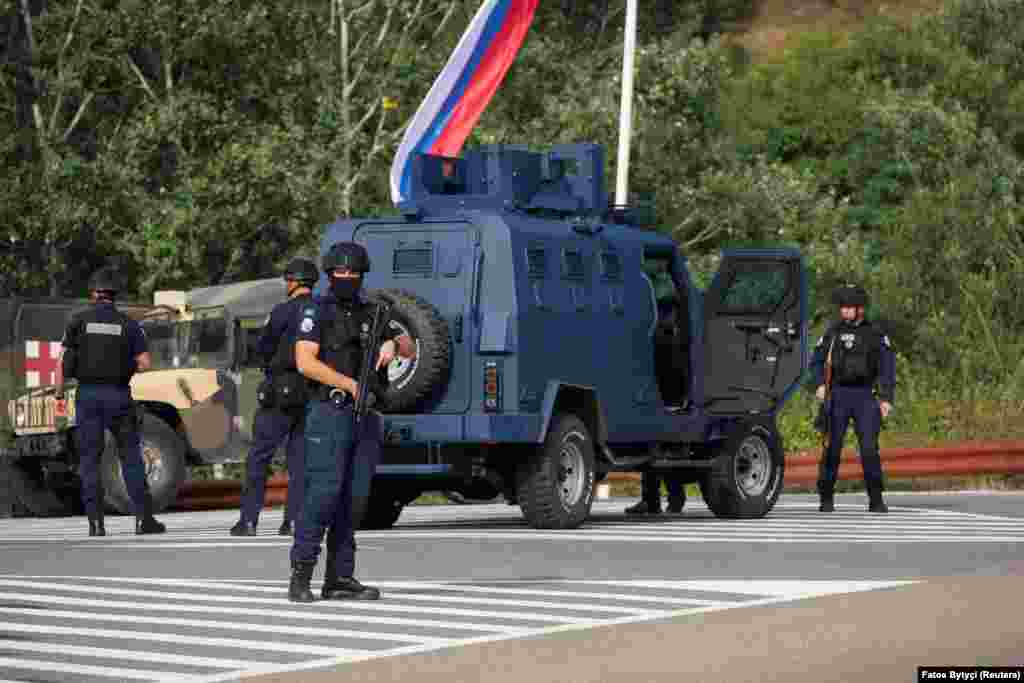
point(560, 340)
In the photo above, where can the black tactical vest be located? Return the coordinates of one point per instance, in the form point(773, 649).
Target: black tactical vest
point(104, 353)
point(856, 355)
point(341, 345)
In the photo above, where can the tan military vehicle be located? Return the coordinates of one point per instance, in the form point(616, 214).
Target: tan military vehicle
point(195, 405)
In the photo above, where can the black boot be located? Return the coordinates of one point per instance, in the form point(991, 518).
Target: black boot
point(96, 527)
point(285, 529)
point(148, 525)
point(875, 502)
point(826, 494)
point(643, 508)
point(244, 528)
point(302, 574)
point(344, 588)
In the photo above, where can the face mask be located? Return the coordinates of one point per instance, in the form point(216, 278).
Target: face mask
point(345, 289)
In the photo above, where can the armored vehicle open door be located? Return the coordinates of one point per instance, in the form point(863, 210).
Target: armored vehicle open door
point(755, 327)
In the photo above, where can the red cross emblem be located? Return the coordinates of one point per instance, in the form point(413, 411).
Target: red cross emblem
point(42, 363)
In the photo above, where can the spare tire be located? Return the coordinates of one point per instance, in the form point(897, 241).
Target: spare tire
point(413, 382)
point(163, 453)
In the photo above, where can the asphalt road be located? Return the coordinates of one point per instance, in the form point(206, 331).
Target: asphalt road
point(470, 593)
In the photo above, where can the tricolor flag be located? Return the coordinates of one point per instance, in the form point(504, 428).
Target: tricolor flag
point(465, 86)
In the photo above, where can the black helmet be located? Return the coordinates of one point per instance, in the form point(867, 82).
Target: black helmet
point(104, 280)
point(850, 295)
point(347, 255)
point(302, 271)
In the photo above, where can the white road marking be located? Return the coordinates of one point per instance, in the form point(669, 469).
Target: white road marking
point(262, 645)
point(241, 611)
point(128, 655)
point(333, 662)
point(85, 670)
point(387, 606)
point(664, 600)
point(261, 628)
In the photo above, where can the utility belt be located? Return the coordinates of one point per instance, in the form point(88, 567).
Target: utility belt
point(855, 385)
point(333, 395)
point(285, 391)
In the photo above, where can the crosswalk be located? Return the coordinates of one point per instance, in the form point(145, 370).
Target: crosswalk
point(91, 628)
point(791, 522)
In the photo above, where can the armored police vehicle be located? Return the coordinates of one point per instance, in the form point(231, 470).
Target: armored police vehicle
point(560, 340)
point(196, 404)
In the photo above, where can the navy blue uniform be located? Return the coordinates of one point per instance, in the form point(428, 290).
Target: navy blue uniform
point(332, 444)
point(272, 426)
point(863, 373)
point(100, 347)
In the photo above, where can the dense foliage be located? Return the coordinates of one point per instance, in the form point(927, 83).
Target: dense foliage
point(194, 143)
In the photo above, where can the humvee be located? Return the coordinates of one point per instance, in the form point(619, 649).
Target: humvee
point(196, 404)
point(560, 340)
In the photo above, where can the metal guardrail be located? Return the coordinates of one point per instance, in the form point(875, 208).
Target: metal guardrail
point(954, 460)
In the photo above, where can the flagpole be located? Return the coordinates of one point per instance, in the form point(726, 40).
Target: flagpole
point(626, 110)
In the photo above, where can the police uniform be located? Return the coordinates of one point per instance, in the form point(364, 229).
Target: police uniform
point(100, 348)
point(273, 424)
point(863, 374)
point(339, 325)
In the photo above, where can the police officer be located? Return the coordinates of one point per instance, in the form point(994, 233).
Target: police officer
point(329, 351)
point(103, 348)
point(650, 494)
point(277, 419)
point(863, 383)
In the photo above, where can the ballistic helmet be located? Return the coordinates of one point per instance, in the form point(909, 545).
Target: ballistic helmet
point(104, 280)
point(302, 271)
point(850, 295)
point(347, 255)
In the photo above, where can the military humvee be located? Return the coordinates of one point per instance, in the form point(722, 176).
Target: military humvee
point(560, 339)
point(196, 404)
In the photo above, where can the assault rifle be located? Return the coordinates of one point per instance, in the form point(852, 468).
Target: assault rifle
point(371, 346)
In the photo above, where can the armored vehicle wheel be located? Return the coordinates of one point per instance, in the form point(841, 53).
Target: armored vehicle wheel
point(413, 381)
point(163, 453)
point(746, 477)
point(555, 488)
point(30, 492)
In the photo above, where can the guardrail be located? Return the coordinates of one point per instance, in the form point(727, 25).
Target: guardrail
point(963, 459)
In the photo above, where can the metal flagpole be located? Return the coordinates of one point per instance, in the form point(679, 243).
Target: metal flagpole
point(626, 111)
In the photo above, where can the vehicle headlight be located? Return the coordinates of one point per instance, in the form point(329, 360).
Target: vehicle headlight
point(19, 415)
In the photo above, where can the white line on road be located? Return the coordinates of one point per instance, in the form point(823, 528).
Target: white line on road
point(677, 538)
point(242, 611)
point(549, 593)
point(386, 606)
point(110, 653)
point(263, 645)
point(85, 670)
point(335, 661)
point(262, 628)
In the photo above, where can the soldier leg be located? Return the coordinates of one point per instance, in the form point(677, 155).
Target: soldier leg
point(828, 469)
point(269, 429)
point(369, 453)
point(89, 442)
point(296, 474)
point(650, 495)
point(326, 431)
point(339, 579)
point(124, 423)
point(676, 492)
point(867, 423)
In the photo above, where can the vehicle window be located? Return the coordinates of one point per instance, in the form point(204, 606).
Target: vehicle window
point(250, 332)
point(209, 342)
point(162, 340)
point(756, 290)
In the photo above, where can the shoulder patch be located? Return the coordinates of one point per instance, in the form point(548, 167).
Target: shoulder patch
point(306, 325)
point(885, 340)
